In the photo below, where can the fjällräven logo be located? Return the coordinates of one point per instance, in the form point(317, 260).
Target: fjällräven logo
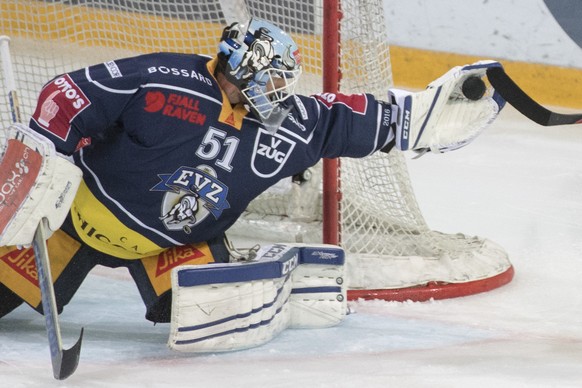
point(175, 105)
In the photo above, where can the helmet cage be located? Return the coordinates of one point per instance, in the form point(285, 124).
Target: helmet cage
point(269, 88)
point(264, 63)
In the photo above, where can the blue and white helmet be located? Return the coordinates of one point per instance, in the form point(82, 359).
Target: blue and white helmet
point(264, 63)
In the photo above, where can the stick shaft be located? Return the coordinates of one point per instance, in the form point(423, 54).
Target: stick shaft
point(526, 105)
point(9, 79)
point(64, 361)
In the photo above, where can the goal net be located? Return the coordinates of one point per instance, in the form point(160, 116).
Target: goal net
point(365, 205)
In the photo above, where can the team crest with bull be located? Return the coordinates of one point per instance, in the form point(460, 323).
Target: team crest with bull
point(192, 194)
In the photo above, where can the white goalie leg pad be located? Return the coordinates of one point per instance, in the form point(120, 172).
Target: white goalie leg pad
point(441, 118)
point(35, 184)
point(318, 297)
point(227, 307)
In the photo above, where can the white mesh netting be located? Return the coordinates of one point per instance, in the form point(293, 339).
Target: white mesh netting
point(381, 224)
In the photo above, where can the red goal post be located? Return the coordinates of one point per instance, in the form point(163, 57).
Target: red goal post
point(331, 178)
point(368, 206)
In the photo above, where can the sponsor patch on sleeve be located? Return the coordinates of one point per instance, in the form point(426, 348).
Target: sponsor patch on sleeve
point(358, 103)
point(59, 103)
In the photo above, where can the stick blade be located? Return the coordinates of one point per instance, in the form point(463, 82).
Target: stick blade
point(561, 119)
point(69, 360)
point(514, 95)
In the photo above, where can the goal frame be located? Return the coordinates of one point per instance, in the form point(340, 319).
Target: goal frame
point(331, 191)
point(339, 42)
point(331, 175)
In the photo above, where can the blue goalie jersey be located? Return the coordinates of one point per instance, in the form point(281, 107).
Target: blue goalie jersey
point(168, 161)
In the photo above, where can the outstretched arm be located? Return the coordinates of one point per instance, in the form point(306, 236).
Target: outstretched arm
point(449, 114)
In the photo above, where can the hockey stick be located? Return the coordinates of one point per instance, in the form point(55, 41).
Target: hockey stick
point(514, 95)
point(64, 361)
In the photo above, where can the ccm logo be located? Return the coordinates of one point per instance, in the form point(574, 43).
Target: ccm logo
point(290, 265)
point(406, 124)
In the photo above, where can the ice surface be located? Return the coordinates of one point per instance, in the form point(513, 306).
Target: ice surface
point(519, 184)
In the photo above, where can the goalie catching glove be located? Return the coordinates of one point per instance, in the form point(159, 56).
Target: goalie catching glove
point(36, 184)
point(441, 118)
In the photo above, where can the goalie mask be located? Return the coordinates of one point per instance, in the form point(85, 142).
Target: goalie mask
point(264, 63)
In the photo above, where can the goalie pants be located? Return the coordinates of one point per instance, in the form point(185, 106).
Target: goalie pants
point(71, 261)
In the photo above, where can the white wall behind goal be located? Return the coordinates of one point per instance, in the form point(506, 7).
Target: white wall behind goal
point(517, 30)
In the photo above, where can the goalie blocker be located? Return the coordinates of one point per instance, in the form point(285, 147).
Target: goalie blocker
point(226, 307)
point(36, 184)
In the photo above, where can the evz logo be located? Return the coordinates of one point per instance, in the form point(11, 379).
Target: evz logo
point(192, 193)
point(270, 154)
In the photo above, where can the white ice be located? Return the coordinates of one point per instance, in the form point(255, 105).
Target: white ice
point(519, 184)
